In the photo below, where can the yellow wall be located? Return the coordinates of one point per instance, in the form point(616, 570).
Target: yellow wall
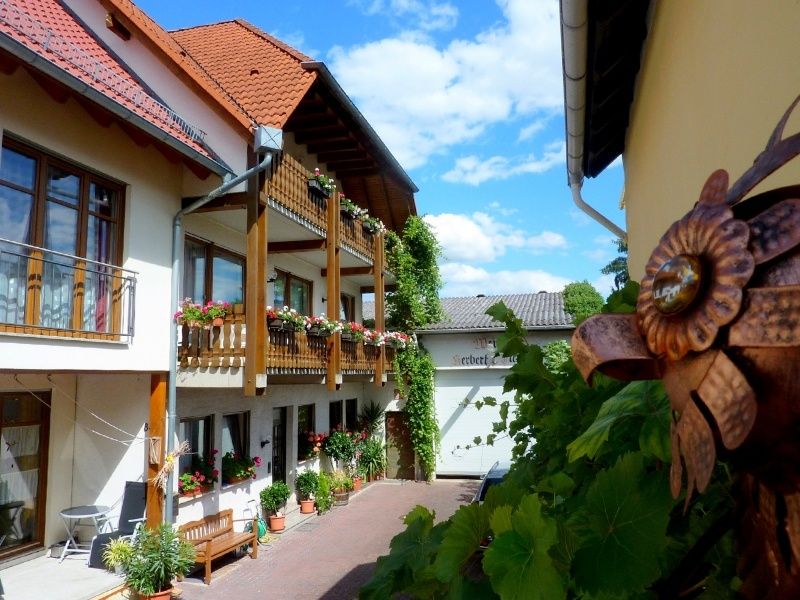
point(716, 77)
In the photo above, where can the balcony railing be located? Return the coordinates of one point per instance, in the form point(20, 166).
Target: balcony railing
point(288, 189)
point(288, 352)
point(44, 292)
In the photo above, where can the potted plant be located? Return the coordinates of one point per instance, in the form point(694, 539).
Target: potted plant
point(320, 185)
point(370, 419)
point(353, 332)
point(323, 495)
point(310, 445)
point(340, 446)
point(237, 468)
point(200, 477)
point(349, 209)
point(373, 337)
point(372, 459)
point(216, 311)
point(342, 485)
point(189, 313)
point(321, 326)
point(306, 485)
point(372, 225)
point(155, 558)
point(117, 553)
point(273, 498)
point(292, 320)
point(396, 339)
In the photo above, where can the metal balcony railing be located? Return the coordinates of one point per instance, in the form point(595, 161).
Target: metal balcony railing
point(51, 293)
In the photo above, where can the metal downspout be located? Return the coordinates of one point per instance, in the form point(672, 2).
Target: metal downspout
point(594, 214)
point(177, 245)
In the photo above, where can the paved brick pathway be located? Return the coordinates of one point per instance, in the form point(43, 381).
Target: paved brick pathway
point(331, 556)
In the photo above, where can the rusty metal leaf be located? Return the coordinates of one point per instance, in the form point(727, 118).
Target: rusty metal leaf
point(612, 344)
point(730, 399)
point(676, 470)
point(696, 442)
point(775, 231)
point(771, 318)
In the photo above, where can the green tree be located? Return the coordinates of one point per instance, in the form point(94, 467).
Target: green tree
point(619, 266)
point(581, 300)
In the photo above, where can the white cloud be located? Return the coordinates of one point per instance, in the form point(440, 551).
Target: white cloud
point(474, 171)
point(505, 211)
point(423, 99)
point(480, 238)
point(580, 218)
point(429, 16)
point(599, 255)
point(604, 284)
point(531, 130)
point(466, 280)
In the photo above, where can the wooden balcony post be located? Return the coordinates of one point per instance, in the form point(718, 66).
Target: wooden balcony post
point(333, 280)
point(156, 431)
point(254, 379)
point(380, 321)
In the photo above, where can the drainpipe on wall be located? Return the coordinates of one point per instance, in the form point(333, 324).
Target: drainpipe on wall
point(267, 141)
point(574, 38)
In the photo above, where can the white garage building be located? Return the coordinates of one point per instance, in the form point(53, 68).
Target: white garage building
point(463, 346)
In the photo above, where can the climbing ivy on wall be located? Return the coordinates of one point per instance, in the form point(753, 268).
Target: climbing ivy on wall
point(413, 304)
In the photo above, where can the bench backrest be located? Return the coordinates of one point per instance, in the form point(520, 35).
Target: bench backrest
point(212, 525)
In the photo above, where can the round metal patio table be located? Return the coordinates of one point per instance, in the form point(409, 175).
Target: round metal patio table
point(72, 518)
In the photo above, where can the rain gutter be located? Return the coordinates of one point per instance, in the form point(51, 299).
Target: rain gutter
point(268, 141)
point(574, 39)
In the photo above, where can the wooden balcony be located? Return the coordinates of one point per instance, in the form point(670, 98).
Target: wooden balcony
point(288, 352)
point(288, 190)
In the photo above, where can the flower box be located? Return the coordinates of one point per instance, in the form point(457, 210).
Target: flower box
point(275, 323)
point(347, 336)
point(315, 330)
point(197, 492)
point(235, 480)
point(347, 214)
point(316, 189)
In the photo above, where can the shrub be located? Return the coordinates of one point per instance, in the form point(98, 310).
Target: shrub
point(274, 496)
point(323, 494)
point(306, 484)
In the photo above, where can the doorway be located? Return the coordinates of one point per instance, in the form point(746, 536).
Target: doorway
point(279, 444)
point(399, 451)
point(24, 435)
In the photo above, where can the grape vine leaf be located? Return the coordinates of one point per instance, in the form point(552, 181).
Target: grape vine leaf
point(469, 526)
point(411, 552)
point(644, 399)
point(518, 562)
point(627, 512)
point(500, 520)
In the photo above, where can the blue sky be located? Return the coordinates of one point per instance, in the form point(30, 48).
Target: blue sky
point(468, 96)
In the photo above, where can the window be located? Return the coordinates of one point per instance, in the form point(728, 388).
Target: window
point(335, 414)
point(236, 434)
point(197, 431)
point(347, 308)
point(351, 413)
point(305, 425)
point(212, 273)
point(292, 291)
point(57, 206)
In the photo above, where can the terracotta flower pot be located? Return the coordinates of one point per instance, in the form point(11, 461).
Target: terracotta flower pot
point(356, 484)
point(277, 523)
point(218, 322)
point(163, 595)
point(306, 507)
point(232, 480)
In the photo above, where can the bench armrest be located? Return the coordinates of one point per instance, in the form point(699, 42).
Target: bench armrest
point(202, 540)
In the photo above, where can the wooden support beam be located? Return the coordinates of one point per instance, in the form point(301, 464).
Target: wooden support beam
point(261, 308)
point(297, 246)
point(234, 201)
point(380, 322)
point(348, 271)
point(330, 146)
point(156, 431)
point(334, 132)
point(253, 379)
point(370, 289)
point(334, 341)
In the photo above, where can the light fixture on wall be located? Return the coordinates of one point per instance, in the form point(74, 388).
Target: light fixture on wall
point(324, 299)
point(272, 278)
point(264, 443)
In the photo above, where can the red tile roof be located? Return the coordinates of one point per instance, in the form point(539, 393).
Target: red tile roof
point(159, 40)
point(262, 73)
point(46, 28)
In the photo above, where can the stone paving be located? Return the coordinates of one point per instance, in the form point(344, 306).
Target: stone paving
point(333, 555)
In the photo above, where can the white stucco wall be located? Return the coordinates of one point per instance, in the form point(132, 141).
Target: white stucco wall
point(152, 197)
point(218, 402)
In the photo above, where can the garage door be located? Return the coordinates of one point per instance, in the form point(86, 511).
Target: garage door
point(459, 424)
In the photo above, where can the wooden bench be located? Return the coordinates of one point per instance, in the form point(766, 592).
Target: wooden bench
point(213, 536)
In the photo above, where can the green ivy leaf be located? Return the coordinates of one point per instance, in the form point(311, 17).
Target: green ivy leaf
point(469, 526)
point(411, 552)
point(477, 440)
point(489, 401)
point(518, 561)
point(627, 512)
point(637, 399)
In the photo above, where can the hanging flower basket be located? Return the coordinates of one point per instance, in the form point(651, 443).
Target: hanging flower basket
point(317, 190)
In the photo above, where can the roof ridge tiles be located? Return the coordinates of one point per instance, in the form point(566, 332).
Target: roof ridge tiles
point(275, 41)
